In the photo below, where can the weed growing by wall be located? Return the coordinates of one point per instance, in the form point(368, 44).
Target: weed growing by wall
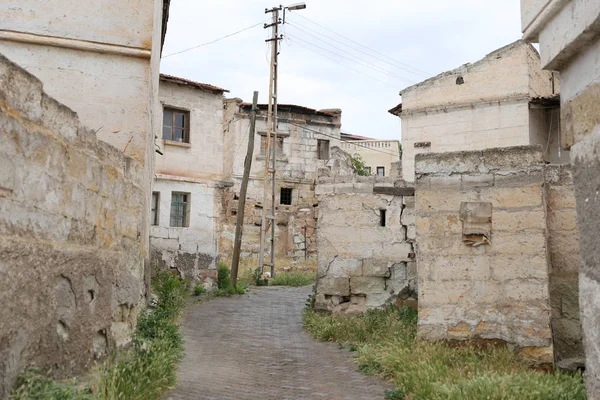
point(386, 345)
point(144, 372)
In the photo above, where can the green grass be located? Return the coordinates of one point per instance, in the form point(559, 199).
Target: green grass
point(386, 346)
point(224, 285)
point(295, 278)
point(199, 290)
point(146, 371)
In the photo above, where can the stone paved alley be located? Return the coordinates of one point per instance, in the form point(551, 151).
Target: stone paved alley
point(253, 347)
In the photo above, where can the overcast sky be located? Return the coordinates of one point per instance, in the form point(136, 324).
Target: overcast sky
point(316, 65)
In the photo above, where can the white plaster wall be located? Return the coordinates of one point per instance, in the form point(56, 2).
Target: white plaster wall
point(477, 128)
point(202, 234)
point(203, 158)
point(375, 153)
point(126, 23)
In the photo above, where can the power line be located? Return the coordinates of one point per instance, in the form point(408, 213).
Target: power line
point(363, 46)
point(352, 55)
point(334, 137)
point(347, 66)
point(212, 41)
point(319, 34)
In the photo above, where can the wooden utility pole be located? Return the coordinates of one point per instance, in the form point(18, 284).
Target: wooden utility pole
point(268, 218)
point(239, 224)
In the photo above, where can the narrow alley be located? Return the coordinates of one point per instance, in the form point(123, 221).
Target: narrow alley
point(253, 347)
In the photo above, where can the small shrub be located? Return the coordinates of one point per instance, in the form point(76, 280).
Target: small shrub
point(199, 290)
point(223, 276)
point(295, 279)
point(258, 279)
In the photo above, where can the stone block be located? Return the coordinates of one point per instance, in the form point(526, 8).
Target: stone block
point(513, 197)
point(376, 267)
point(446, 182)
point(367, 285)
point(411, 233)
point(562, 220)
point(408, 216)
point(435, 200)
point(334, 286)
point(477, 181)
point(378, 300)
point(516, 266)
point(561, 197)
point(518, 221)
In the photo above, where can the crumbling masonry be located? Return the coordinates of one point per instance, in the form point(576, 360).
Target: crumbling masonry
point(71, 235)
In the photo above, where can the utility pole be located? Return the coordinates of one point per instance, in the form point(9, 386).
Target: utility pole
point(237, 244)
point(268, 217)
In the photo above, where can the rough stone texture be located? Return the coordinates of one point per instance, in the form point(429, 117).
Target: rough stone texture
point(354, 247)
point(297, 168)
point(489, 109)
point(563, 245)
point(586, 157)
point(498, 290)
point(254, 347)
point(569, 36)
point(71, 244)
point(195, 168)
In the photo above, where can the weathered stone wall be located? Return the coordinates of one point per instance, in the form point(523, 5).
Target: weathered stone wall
point(362, 264)
point(569, 36)
point(499, 289)
point(194, 250)
point(195, 168)
point(476, 106)
point(563, 245)
point(297, 167)
point(71, 235)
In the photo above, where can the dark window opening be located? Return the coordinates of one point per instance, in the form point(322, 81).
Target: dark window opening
point(263, 146)
point(323, 149)
point(154, 207)
point(382, 217)
point(285, 196)
point(460, 80)
point(180, 209)
point(176, 125)
point(380, 171)
point(368, 169)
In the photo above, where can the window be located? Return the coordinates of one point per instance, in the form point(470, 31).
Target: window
point(263, 146)
point(285, 196)
point(382, 217)
point(368, 169)
point(176, 125)
point(380, 171)
point(154, 207)
point(180, 209)
point(323, 149)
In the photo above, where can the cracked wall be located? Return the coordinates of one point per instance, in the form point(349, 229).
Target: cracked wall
point(361, 263)
point(501, 290)
point(71, 235)
point(297, 168)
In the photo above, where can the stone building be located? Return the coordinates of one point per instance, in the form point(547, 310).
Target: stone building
point(381, 157)
point(71, 250)
point(568, 32)
point(503, 100)
point(306, 139)
point(188, 179)
point(497, 251)
point(75, 188)
point(365, 237)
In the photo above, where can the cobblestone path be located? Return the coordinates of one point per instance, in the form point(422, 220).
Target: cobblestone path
point(253, 347)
